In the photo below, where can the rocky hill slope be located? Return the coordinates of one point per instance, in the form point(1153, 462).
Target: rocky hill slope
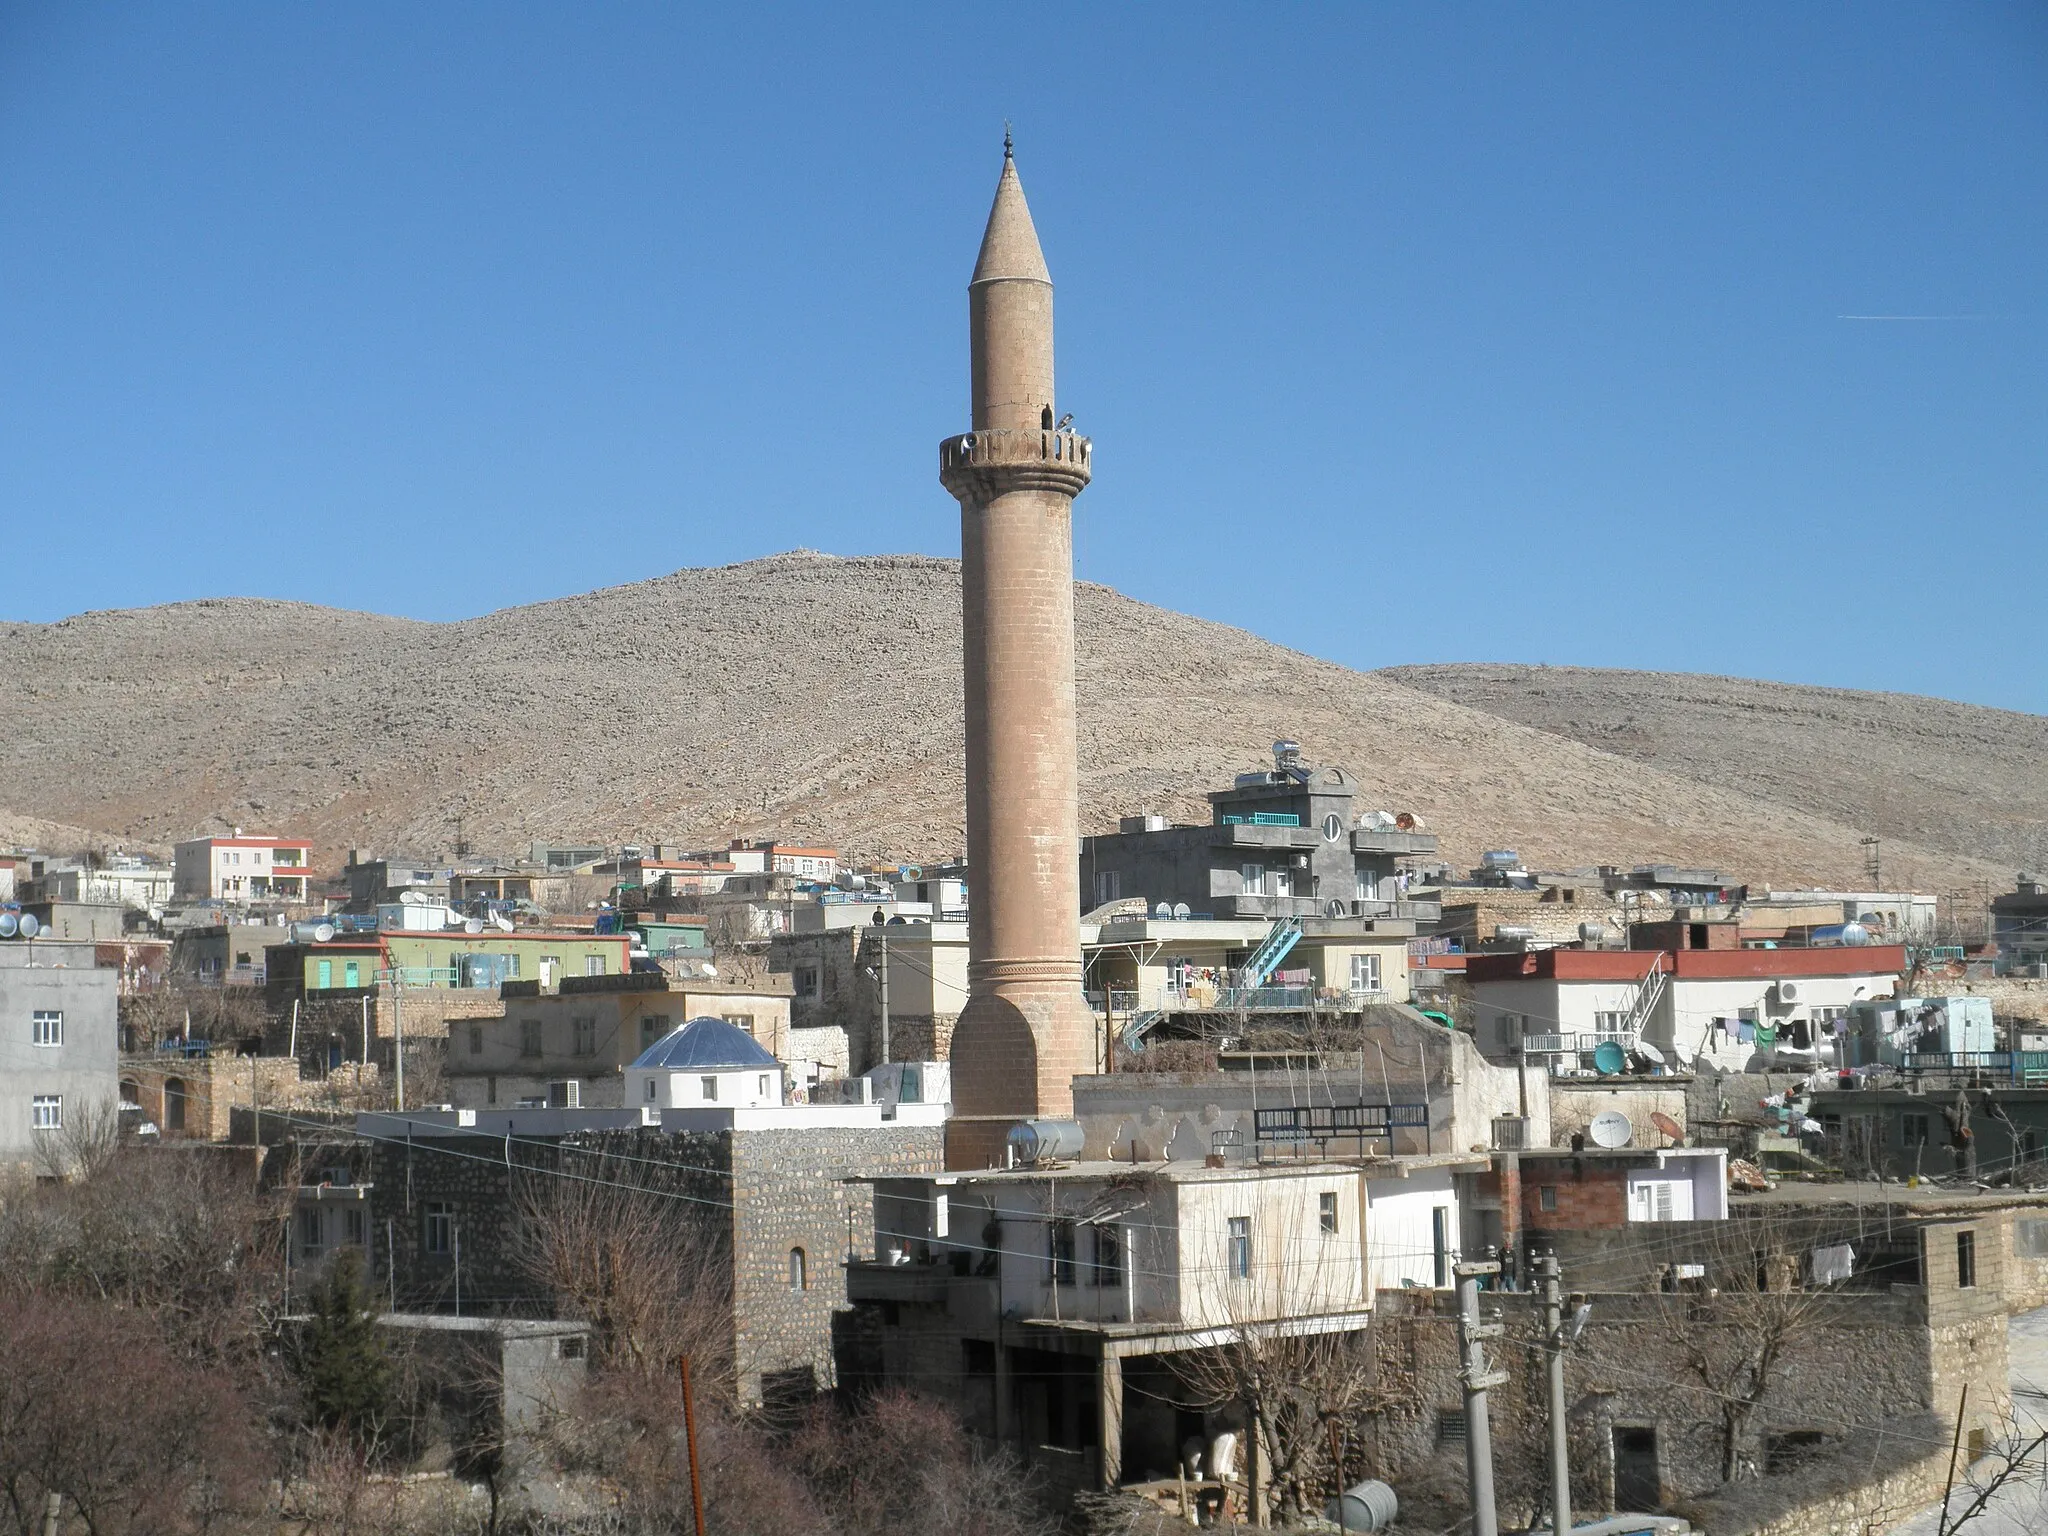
point(819, 698)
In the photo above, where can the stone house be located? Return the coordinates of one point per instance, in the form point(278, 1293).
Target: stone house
point(1870, 1373)
point(771, 1184)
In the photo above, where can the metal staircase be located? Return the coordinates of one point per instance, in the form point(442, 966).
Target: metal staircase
point(1649, 993)
point(1279, 940)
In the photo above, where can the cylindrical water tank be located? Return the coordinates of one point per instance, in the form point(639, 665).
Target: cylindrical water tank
point(1036, 1141)
point(1370, 1506)
point(1512, 931)
point(1592, 933)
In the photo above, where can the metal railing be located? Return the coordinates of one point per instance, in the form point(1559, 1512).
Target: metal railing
point(1319, 1125)
point(2027, 1068)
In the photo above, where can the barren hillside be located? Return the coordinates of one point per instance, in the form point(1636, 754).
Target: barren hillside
point(804, 695)
point(1955, 777)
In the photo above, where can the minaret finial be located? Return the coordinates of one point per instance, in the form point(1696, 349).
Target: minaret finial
point(1008, 152)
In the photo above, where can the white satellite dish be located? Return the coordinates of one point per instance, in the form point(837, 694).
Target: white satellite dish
point(472, 925)
point(415, 898)
point(1164, 909)
point(710, 969)
point(1181, 910)
point(30, 927)
point(1648, 1052)
point(1610, 1128)
point(502, 921)
point(322, 932)
point(10, 924)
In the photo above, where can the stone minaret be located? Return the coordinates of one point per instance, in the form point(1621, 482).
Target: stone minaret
point(1025, 1030)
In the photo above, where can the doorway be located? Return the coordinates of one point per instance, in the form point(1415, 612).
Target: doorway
point(1637, 1487)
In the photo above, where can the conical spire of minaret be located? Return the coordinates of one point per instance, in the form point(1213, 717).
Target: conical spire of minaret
point(1009, 246)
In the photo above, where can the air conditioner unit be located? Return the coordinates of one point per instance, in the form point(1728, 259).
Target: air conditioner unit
point(1789, 992)
point(566, 1095)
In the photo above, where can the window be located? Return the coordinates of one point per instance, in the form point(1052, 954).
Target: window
point(440, 1227)
point(1061, 1256)
point(353, 1225)
point(570, 1347)
point(529, 1037)
point(653, 1088)
point(799, 1270)
point(1966, 1260)
point(1240, 1248)
point(1365, 973)
point(46, 1027)
point(476, 1039)
point(174, 1104)
point(741, 1021)
point(2030, 1237)
point(1109, 1257)
point(593, 965)
point(761, 1086)
point(1546, 1197)
point(351, 974)
point(1651, 1200)
point(652, 1028)
point(1611, 1024)
point(1283, 882)
point(1913, 1130)
point(1326, 1211)
point(490, 1090)
point(1254, 877)
point(1109, 886)
point(806, 981)
point(46, 1112)
point(586, 1036)
point(312, 1228)
point(710, 1088)
point(1333, 828)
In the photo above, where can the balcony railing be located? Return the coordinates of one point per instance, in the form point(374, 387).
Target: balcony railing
point(1292, 1129)
point(2027, 1068)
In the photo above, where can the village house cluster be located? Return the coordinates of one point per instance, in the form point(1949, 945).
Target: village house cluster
point(1180, 1160)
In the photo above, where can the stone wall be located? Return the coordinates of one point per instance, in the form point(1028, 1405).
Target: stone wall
point(763, 1194)
point(1851, 1364)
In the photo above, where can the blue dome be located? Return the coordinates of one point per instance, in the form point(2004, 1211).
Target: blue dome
point(706, 1045)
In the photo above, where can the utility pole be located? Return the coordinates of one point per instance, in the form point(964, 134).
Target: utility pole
point(690, 1441)
point(398, 1039)
point(883, 975)
point(1477, 1376)
point(1553, 1337)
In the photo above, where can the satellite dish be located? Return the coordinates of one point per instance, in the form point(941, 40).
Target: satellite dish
point(1610, 1129)
point(502, 921)
point(29, 926)
point(472, 925)
point(1649, 1053)
point(1181, 910)
point(414, 898)
point(10, 923)
point(322, 932)
point(1164, 909)
point(1667, 1125)
point(710, 969)
point(1609, 1058)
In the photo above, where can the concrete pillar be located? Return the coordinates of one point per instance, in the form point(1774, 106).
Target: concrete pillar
point(1110, 1383)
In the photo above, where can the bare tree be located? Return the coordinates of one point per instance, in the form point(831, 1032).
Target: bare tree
point(87, 1143)
point(647, 1266)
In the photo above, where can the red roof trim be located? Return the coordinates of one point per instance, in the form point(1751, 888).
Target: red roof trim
point(1596, 965)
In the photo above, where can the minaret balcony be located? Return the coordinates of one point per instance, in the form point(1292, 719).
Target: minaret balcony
point(977, 466)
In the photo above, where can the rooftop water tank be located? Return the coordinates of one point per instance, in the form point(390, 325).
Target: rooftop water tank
point(1038, 1141)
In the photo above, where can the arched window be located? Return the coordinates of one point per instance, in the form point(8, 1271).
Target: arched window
point(174, 1104)
point(799, 1271)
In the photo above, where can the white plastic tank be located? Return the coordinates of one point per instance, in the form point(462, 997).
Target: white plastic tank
point(1370, 1506)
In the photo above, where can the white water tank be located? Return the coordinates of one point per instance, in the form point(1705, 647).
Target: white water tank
point(1370, 1506)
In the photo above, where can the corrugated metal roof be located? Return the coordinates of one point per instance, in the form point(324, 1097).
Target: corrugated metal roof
point(706, 1044)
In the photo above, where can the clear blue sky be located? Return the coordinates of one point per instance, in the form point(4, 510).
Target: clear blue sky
point(1404, 333)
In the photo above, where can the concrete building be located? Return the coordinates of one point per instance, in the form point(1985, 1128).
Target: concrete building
point(1025, 1030)
point(1282, 843)
point(2019, 927)
point(1723, 1008)
point(1140, 964)
point(59, 1047)
point(442, 959)
point(706, 1064)
point(242, 869)
point(572, 1048)
point(123, 881)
